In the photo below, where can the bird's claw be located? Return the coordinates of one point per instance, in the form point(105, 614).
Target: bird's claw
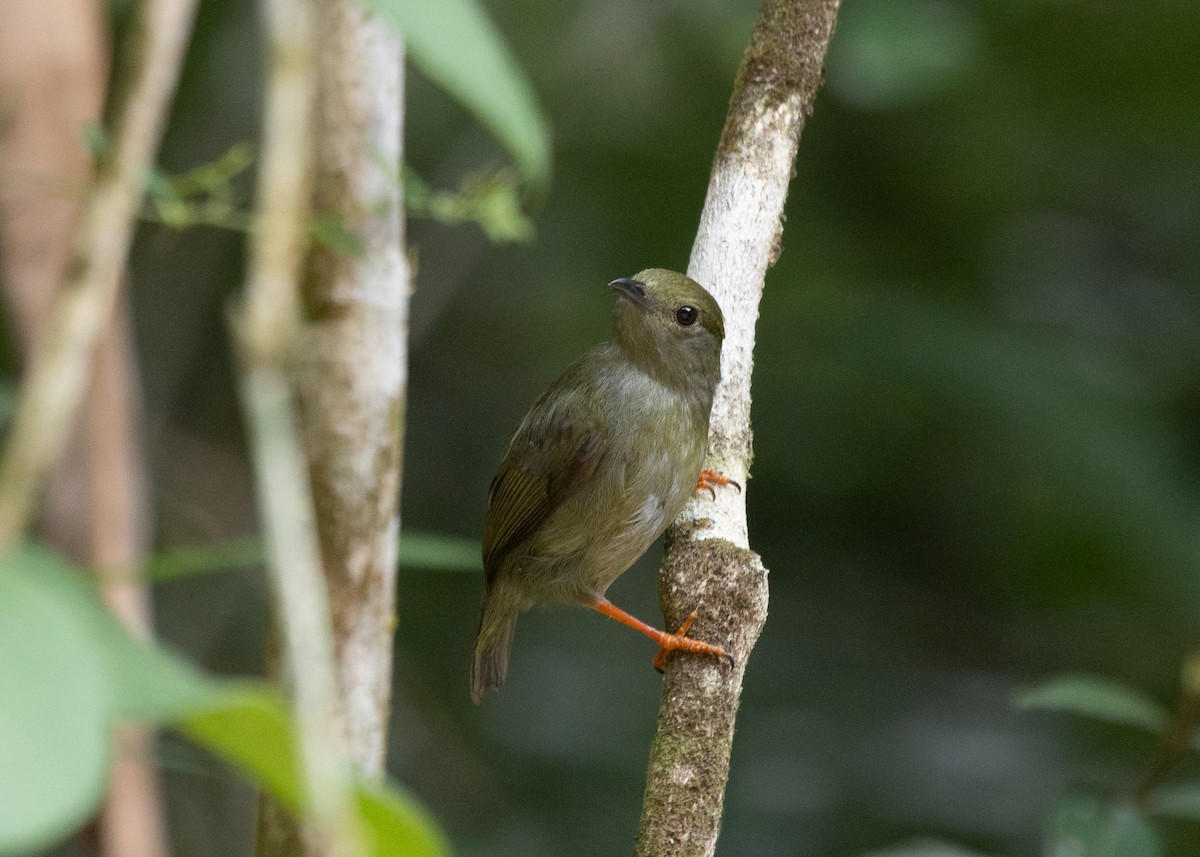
point(679, 641)
point(709, 478)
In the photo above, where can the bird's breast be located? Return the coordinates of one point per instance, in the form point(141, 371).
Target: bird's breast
point(653, 455)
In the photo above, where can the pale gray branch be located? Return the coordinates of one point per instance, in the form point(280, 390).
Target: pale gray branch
point(349, 376)
point(267, 330)
point(352, 371)
point(709, 567)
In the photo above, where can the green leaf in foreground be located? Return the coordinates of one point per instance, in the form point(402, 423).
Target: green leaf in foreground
point(55, 701)
point(146, 683)
point(69, 672)
point(398, 825)
point(1093, 696)
point(252, 729)
point(459, 48)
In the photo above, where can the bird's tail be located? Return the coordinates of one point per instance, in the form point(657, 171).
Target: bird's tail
point(489, 666)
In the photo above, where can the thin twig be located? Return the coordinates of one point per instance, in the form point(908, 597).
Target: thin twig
point(709, 566)
point(53, 389)
point(267, 327)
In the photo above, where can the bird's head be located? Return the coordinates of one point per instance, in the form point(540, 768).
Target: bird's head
point(669, 326)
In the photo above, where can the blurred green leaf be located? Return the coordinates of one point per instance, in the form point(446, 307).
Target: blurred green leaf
point(251, 728)
point(215, 177)
point(204, 559)
point(1180, 800)
point(149, 683)
point(1093, 696)
point(206, 194)
point(399, 825)
point(146, 683)
point(925, 848)
point(1087, 825)
point(69, 671)
point(55, 704)
point(329, 230)
point(490, 198)
point(891, 53)
point(440, 553)
point(417, 550)
point(459, 48)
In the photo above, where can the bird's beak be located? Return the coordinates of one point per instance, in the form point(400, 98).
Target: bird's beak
point(632, 290)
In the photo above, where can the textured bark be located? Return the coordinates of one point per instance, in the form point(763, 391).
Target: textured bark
point(709, 566)
point(350, 377)
point(352, 370)
point(268, 331)
point(54, 64)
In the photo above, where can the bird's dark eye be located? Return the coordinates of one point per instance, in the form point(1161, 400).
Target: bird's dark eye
point(686, 315)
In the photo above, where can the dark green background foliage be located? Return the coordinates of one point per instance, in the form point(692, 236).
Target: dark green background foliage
point(977, 396)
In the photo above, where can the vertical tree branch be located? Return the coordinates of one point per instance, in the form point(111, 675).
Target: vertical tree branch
point(709, 566)
point(54, 386)
point(267, 331)
point(351, 372)
point(353, 368)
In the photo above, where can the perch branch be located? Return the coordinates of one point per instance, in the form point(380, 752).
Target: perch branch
point(709, 565)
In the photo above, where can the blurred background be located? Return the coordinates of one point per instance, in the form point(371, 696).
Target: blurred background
point(977, 400)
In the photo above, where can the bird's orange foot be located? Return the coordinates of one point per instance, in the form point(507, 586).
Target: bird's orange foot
point(679, 641)
point(711, 478)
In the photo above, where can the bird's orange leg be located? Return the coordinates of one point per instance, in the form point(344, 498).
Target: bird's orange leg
point(709, 478)
point(667, 642)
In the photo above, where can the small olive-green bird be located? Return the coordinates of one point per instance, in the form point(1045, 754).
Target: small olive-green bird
point(601, 465)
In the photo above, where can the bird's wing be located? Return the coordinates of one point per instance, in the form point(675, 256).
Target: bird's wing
point(550, 460)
